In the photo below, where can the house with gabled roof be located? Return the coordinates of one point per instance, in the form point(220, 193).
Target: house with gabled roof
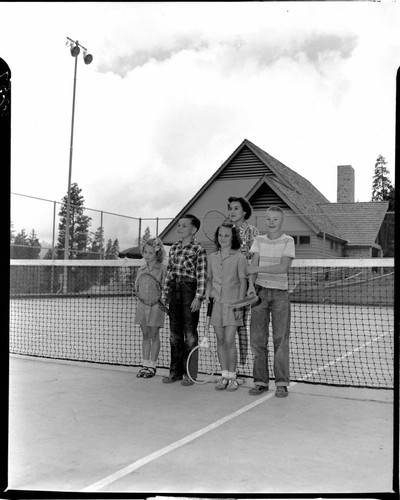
point(321, 229)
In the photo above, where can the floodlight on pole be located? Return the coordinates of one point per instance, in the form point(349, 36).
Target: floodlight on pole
point(75, 48)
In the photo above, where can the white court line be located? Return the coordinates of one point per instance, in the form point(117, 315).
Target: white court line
point(191, 437)
point(181, 442)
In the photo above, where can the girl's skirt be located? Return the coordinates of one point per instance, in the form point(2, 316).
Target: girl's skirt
point(222, 315)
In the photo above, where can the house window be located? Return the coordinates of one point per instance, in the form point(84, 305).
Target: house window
point(304, 240)
point(301, 240)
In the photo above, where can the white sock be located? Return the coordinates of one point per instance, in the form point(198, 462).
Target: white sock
point(231, 374)
point(225, 374)
point(152, 364)
point(146, 362)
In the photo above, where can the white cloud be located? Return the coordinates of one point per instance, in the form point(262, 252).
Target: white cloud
point(174, 88)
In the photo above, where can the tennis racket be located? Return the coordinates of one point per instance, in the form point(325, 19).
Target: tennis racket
point(201, 363)
point(246, 301)
point(211, 220)
point(242, 330)
point(148, 290)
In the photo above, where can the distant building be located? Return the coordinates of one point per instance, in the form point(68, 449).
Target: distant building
point(321, 229)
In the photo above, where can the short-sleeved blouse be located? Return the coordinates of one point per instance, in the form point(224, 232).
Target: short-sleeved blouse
point(226, 271)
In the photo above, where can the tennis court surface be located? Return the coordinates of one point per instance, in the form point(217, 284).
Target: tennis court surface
point(81, 421)
point(95, 429)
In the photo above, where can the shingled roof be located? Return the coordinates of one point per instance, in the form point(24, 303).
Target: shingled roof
point(299, 192)
point(359, 222)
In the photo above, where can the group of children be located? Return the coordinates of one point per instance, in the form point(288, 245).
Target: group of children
point(244, 263)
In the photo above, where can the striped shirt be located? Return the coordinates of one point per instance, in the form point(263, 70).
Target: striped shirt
point(271, 253)
point(187, 261)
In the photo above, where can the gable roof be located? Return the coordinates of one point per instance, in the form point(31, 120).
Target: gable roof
point(273, 178)
point(359, 222)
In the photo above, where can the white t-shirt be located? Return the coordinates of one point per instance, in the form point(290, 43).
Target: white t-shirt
point(271, 253)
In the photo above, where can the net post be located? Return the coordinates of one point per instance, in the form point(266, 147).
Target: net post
point(54, 231)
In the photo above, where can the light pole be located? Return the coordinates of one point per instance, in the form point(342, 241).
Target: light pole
point(75, 48)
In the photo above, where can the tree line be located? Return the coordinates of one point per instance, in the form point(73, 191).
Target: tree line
point(83, 244)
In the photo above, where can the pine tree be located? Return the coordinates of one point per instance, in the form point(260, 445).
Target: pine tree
point(112, 250)
point(96, 247)
point(383, 190)
point(146, 235)
point(381, 185)
point(25, 246)
point(79, 225)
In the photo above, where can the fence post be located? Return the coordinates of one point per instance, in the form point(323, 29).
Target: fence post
point(54, 232)
point(140, 230)
point(102, 236)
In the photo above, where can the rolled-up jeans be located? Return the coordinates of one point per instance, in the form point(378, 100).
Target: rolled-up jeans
point(274, 307)
point(183, 324)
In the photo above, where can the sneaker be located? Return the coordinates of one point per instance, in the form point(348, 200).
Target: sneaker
point(222, 384)
point(186, 381)
point(232, 385)
point(281, 391)
point(258, 389)
point(170, 379)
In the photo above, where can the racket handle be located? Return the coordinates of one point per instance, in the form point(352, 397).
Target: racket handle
point(210, 306)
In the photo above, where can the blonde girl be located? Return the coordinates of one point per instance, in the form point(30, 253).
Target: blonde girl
point(227, 282)
point(151, 318)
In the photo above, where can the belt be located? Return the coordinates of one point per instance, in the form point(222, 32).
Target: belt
point(180, 279)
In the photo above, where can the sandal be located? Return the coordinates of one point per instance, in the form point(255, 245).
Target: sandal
point(143, 372)
point(150, 372)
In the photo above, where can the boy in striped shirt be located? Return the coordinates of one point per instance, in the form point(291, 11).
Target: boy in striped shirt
point(272, 256)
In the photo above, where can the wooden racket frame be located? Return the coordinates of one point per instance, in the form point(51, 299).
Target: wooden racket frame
point(158, 301)
point(204, 344)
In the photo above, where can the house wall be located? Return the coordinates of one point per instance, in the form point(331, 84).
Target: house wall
point(328, 248)
point(358, 252)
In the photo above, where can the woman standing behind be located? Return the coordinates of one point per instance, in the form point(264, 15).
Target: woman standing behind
point(151, 318)
point(226, 282)
point(239, 211)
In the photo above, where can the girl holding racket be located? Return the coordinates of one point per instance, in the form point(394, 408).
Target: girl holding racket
point(151, 317)
point(226, 282)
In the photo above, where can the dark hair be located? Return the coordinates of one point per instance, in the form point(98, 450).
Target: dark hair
point(236, 240)
point(193, 219)
point(245, 205)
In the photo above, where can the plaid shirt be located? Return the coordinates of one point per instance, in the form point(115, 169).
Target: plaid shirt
point(247, 235)
point(189, 261)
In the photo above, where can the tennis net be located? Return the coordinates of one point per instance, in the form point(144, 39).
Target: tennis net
point(342, 318)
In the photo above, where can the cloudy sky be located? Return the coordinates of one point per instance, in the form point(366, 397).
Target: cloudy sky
point(174, 88)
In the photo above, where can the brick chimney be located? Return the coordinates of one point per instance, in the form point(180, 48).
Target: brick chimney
point(345, 184)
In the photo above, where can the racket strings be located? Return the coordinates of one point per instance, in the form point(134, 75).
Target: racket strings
point(148, 290)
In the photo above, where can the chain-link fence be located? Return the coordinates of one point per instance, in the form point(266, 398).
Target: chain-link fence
point(35, 227)
point(29, 213)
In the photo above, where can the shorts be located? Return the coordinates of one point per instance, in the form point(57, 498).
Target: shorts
point(222, 315)
point(149, 315)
